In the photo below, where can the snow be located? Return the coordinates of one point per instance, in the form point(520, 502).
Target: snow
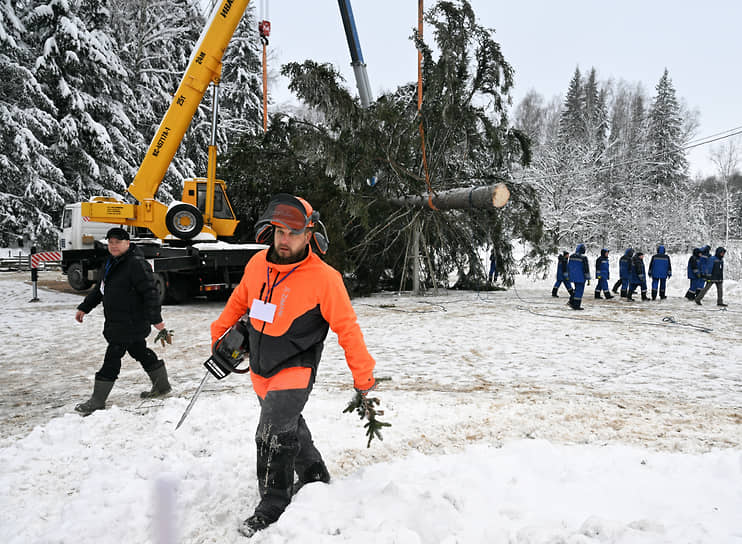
point(515, 420)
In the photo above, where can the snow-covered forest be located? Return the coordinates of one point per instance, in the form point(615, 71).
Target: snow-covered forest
point(86, 82)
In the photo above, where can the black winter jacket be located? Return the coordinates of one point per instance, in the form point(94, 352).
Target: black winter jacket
point(130, 300)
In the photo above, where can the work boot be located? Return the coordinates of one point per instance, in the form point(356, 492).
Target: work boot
point(160, 383)
point(629, 296)
point(597, 294)
point(698, 301)
point(654, 294)
point(577, 305)
point(607, 295)
point(690, 295)
point(253, 524)
point(662, 295)
point(616, 286)
point(571, 292)
point(644, 295)
point(554, 292)
point(722, 304)
point(623, 293)
point(101, 390)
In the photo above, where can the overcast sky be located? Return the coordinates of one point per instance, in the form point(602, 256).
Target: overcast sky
point(545, 41)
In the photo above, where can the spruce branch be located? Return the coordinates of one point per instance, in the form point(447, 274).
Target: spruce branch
point(365, 407)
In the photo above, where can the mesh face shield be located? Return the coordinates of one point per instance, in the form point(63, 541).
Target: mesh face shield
point(292, 213)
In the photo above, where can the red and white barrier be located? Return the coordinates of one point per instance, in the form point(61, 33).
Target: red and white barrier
point(44, 257)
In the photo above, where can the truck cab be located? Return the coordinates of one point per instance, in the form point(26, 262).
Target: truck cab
point(80, 239)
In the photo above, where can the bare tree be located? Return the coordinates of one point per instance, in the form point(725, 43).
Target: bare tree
point(727, 157)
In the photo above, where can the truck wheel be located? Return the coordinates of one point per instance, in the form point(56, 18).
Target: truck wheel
point(161, 284)
point(184, 221)
point(76, 277)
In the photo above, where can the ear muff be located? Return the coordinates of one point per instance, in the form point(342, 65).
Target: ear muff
point(321, 241)
point(264, 235)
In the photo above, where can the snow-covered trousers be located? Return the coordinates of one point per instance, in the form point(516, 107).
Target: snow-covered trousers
point(114, 352)
point(284, 446)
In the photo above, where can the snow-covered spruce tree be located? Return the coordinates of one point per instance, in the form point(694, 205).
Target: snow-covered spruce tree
point(32, 188)
point(78, 68)
point(355, 161)
point(241, 88)
point(157, 41)
point(668, 163)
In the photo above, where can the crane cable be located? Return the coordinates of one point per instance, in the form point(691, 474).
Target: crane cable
point(264, 28)
point(420, 103)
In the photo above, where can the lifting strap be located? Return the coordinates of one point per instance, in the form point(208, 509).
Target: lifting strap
point(264, 28)
point(420, 104)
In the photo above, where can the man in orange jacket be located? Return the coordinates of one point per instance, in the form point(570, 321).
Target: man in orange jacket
point(292, 298)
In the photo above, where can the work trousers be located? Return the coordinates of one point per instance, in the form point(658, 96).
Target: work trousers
point(567, 285)
point(138, 349)
point(719, 291)
point(659, 281)
point(284, 446)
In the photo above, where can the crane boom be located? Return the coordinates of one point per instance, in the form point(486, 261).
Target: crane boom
point(356, 56)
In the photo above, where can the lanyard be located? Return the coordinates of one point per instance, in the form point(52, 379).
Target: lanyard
point(277, 282)
point(109, 264)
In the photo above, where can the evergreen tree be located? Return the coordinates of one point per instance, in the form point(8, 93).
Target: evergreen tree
point(337, 150)
point(665, 131)
point(79, 70)
point(32, 188)
point(572, 121)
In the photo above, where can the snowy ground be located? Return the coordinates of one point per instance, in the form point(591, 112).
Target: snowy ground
point(515, 420)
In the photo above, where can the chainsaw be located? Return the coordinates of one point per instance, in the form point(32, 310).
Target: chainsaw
point(226, 355)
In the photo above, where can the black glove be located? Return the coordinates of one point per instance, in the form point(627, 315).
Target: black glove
point(165, 335)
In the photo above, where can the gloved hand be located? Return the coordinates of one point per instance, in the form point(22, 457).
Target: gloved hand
point(165, 335)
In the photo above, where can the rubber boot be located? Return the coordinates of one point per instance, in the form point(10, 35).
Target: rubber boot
point(101, 390)
point(654, 294)
point(160, 383)
point(554, 292)
point(616, 286)
point(597, 294)
point(623, 293)
point(662, 295)
point(644, 295)
point(607, 295)
point(690, 295)
point(577, 305)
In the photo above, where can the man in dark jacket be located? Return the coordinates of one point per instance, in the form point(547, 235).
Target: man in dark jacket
point(602, 274)
point(716, 277)
point(694, 274)
point(130, 305)
point(638, 277)
point(660, 270)
point(579, 273)
point(562, 275)
point(624, 272)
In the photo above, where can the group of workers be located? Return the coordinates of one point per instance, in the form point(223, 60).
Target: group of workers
point(704, 270)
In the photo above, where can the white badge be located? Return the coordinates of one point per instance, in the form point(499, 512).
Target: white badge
point(262, 311)
point(103, 287)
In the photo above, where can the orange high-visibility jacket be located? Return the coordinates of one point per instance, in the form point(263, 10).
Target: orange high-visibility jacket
point(310, 297)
